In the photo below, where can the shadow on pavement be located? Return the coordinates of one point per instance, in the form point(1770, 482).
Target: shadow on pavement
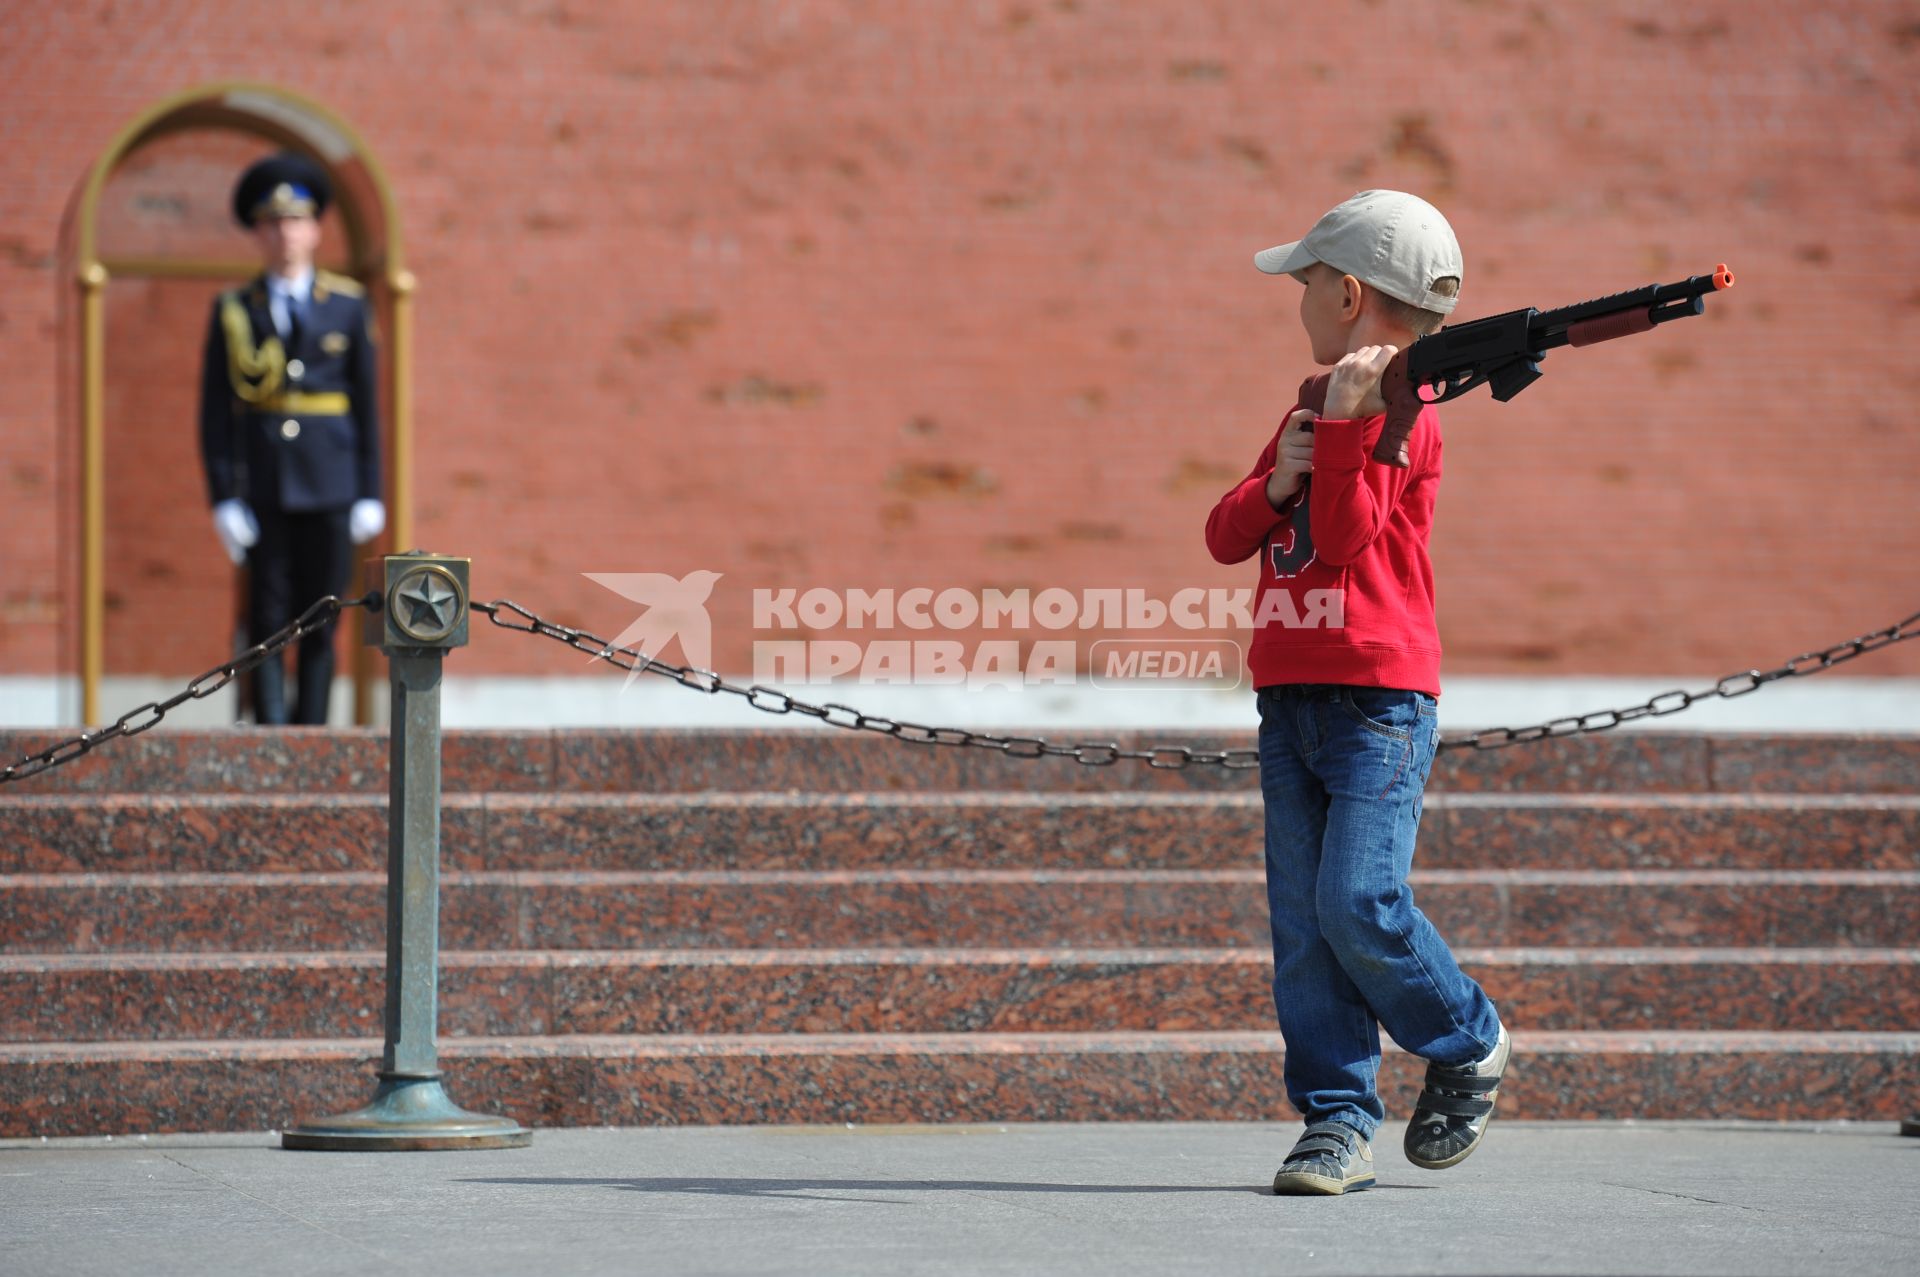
point(821, 1189)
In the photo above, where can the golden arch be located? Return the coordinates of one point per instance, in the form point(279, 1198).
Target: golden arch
point(297, 123)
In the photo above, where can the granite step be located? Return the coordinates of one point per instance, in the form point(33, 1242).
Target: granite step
point(225, 833)
point(123, 1088)
point(1075, 908)
point(804, 759)
point(839, 927)
point(144, 997)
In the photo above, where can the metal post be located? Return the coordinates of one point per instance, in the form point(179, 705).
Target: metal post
point(424, 615)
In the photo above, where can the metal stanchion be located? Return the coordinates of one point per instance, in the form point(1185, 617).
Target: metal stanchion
point(423, 617)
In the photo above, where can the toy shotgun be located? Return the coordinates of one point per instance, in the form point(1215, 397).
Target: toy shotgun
point(1505, 350)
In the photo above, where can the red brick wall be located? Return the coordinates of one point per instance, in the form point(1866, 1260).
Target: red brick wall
point(961, 295)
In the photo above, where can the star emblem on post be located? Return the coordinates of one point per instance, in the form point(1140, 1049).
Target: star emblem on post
point(426, 604)
point(429, 602)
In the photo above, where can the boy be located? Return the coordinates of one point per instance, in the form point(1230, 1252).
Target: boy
point(1346, 675)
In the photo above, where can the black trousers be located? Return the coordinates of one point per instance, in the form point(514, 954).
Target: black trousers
point(301, 557)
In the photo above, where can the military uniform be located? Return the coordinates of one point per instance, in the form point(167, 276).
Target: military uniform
point(289, 425)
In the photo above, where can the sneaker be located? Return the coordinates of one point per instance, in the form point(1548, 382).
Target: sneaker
point(1331, 1158)
point(1450, 1117)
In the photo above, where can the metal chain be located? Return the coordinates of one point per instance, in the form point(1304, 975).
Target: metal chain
point(132, 723)
point(1089, 753)
point(1673, 702)
point(773, 701)
point(1178, 757)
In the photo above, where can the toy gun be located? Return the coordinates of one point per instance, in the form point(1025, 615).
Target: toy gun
point(1504, 351)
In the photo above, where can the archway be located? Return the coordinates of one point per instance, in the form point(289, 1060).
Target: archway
point(367, 246)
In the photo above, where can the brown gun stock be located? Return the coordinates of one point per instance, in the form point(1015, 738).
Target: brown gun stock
point(1403, 408)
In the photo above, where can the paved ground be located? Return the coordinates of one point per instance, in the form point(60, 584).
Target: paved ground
point(1112, 1200)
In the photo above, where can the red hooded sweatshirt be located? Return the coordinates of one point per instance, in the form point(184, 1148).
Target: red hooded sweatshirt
point(1346, 588)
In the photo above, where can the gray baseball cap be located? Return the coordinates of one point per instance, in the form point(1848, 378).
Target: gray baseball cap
point(1397, 242)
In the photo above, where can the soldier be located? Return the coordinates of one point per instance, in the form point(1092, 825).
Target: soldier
point(290, 427)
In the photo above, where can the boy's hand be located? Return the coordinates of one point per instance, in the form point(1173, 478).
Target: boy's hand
point(1354, 390)
point(1292, 459)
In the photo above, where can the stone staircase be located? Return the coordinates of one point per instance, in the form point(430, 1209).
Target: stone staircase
point(726, 926)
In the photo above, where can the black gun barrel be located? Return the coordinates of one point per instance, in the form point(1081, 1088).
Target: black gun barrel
point(1504, 351)
point(1634, 311)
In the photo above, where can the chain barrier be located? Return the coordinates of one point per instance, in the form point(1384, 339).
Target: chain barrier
point(1176, 757)
point(773, 701)
point(1673, 702)
point(132, 723)
point(1088, 753)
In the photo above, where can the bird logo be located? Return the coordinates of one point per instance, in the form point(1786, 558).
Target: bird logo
point(675, 608)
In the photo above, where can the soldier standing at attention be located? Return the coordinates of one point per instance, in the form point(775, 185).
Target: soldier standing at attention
point(290, 427)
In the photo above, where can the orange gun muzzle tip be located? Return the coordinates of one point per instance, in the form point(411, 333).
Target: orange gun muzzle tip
point(1722, 277)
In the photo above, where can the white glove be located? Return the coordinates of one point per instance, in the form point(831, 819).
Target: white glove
point(365, 520)
point(236, 527)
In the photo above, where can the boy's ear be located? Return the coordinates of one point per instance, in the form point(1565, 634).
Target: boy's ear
point(1350, 297)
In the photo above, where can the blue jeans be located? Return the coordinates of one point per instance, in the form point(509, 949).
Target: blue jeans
point(1342, 770)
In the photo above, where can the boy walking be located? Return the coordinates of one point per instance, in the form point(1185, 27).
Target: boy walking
point(1346, 670)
